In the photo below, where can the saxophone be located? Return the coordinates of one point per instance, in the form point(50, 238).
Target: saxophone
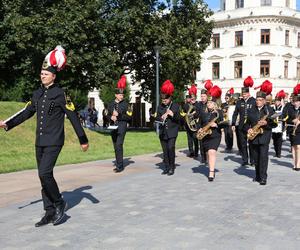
point(190, 120)
point(206, 130)
point(296, 126)
point(257, 129)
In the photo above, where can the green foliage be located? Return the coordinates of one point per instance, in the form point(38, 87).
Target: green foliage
point(103, 39)
point(107, 93)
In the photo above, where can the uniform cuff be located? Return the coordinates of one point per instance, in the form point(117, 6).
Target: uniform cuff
point(83, 140)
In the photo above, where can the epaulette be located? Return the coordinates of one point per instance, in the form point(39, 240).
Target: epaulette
point(69, 104)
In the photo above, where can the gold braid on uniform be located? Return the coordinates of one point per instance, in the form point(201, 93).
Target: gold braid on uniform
point(69, 104)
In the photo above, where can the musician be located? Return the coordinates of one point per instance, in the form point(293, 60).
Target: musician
point(201, 106)
point(277, 132)
point(227, 129)
point(193, 144)
point(211, 118)
point(50, 105)
point(119, 115)
point(242, 107)
point(293, 129)
point(168, 120)
point(260, 115)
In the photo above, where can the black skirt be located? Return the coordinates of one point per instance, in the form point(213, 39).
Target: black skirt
point(211, 142)
point(295, 139)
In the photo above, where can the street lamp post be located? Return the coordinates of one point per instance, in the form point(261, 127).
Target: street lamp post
point(157, 49)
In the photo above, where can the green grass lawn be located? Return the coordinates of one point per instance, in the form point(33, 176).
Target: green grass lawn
point(17, 146)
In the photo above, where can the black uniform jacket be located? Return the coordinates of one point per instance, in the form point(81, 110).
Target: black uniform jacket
point(242, 107)
point(124, 115)
point(207, 116)
point(50, 107)
point(292, 113)
point(171, 126)
point(254, 115)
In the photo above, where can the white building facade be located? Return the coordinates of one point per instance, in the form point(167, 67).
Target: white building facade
point(260, 38)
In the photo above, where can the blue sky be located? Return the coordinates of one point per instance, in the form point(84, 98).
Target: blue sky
point(215, 4)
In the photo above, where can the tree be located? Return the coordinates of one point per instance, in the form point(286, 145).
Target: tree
point(103, 39)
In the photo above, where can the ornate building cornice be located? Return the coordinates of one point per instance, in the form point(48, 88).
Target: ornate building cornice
point(257, 20)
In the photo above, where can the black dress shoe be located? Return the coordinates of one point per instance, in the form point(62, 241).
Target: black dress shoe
point(165, 171)
point(263, 182)
point(256, 180)
point(191, 155)
point(297, 169)
point(118, 170)
point(48, 218)
point(59, 213)
point(171, 172)
point(245, 163)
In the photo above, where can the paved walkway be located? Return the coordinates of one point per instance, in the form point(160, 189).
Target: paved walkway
point(141, 209)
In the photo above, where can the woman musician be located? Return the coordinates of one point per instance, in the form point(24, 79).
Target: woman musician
point(293, 128)
point(210, 120)
point(168, 120)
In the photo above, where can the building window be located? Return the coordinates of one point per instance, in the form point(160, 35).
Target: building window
point(265, 68)
point(298, 43)
point(238, 69)
point(239, 4)
point(223, 4)
point(239, 38)
point(287, 3)
point(298, 70)
point(216, 41)
point(286, 69)
point(287, 37)
point(265, 36)
point(266, 2)
point(216, 70)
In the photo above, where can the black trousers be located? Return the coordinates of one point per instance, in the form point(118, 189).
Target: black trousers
point(244, 147)
point(46, 158)
point(193, 142)
point(238, 140)
point(202, 152)
point(261, 158)
point(118, 140)
point(228, 137)
point(277, 142)
point(168, 147)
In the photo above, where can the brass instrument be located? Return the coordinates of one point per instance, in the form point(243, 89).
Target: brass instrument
point(296, 126)
point(206, 130)
point(190, 120)
point(256, 130)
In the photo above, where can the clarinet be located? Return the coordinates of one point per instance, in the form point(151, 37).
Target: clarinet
point(164, 121)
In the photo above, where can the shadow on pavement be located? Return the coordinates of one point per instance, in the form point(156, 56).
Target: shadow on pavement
point(126, 162)
point(203, 169)
point(73, 198)
point(282, 163)
point(242, 170)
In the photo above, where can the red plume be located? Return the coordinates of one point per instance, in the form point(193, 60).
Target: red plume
point(266, 87)
point(297, 89)
point(122, 82)
point(208, 84)
point(167, 88)
point(215, 92)
point(193, 90)
point(280, 94)
point(230, 91)
point(248, 82)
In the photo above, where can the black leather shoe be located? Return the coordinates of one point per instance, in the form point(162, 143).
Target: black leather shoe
point(165, 171)
point(297, 169)
point(118, 170)
point(256, 180)
point(245, 163)
point(48, 218)
point(191, 155)
point(59, 213)
point(263, 182)
point(171, 172)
